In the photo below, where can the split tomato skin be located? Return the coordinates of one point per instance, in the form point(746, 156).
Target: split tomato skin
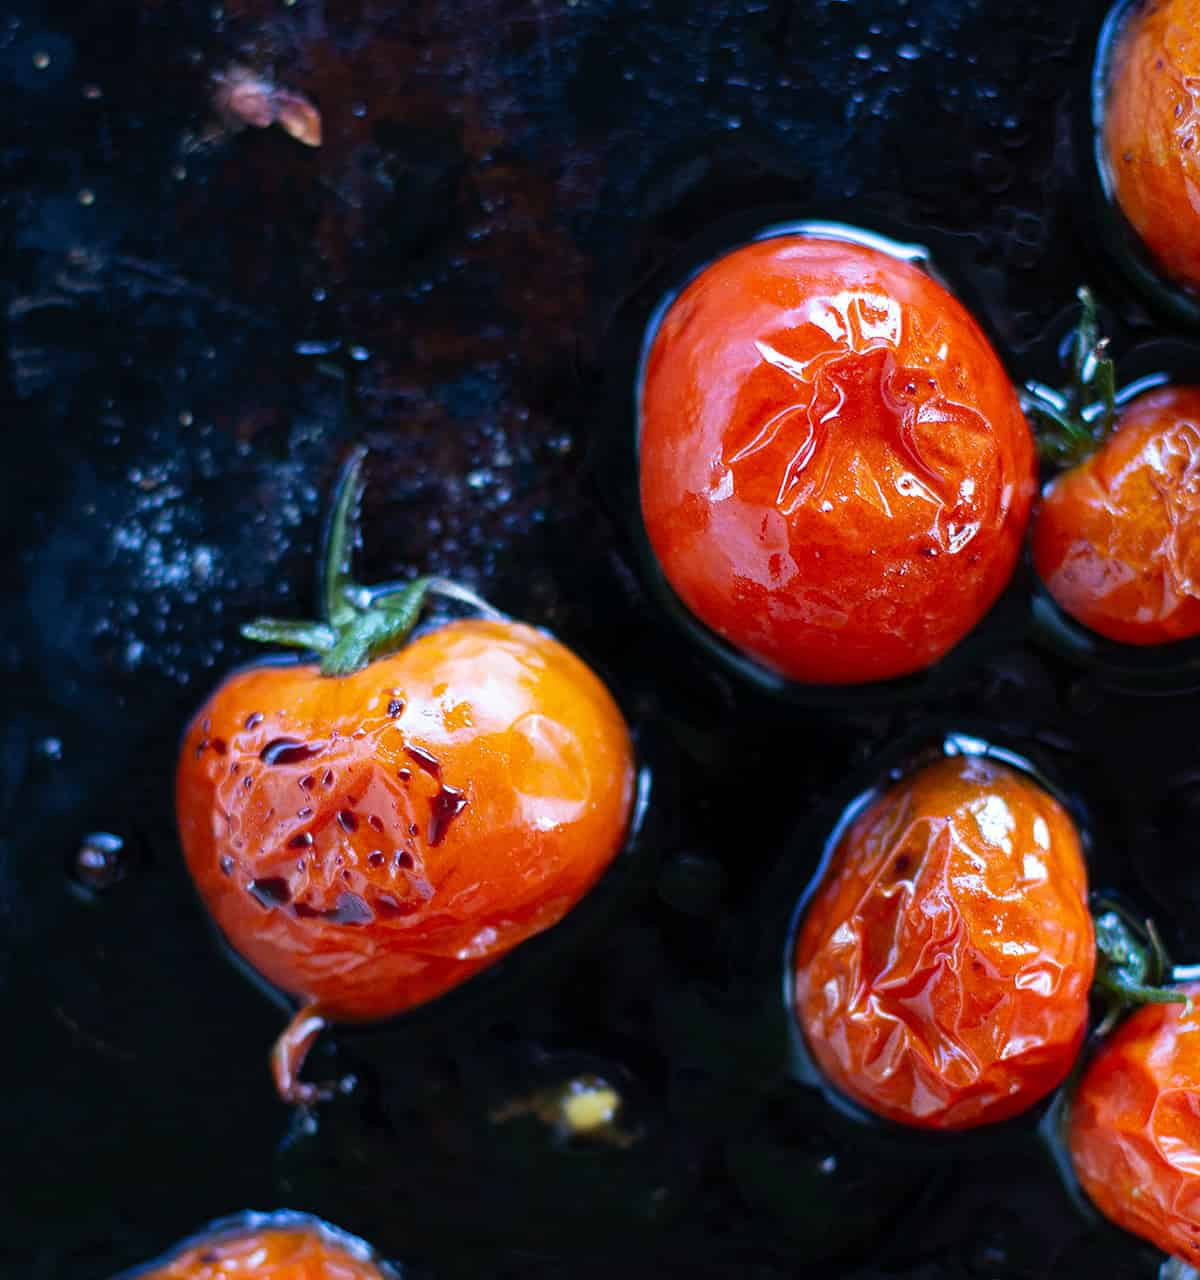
point(1134, 1130)
point(941, 971)
point(269, 1253)
point(1152, 132)
point(1116, 539)
point(369, 841)
point(835, 471)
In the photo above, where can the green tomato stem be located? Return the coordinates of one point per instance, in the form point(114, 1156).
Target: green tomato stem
point(375, 631)
point(341, 536)
point(1132, 967)
point(313, 636)
point(358, 625)
point(1071, 424)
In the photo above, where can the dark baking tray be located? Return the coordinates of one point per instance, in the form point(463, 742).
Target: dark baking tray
point(198, 322)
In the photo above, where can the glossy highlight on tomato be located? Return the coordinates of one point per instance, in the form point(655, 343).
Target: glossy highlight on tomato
point(942, 968)
point(1116, 538)
point(1151, 134)
point(1134, 1128)
point(835, 471)
point(293, 1252)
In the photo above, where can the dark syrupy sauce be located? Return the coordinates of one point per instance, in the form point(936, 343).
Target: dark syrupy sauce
point(289, 751)
point(444, 808)
point(425, 759)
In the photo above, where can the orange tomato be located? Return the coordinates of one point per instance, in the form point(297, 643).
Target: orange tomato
point(835, 470)
point(1152, 132)
point(1134, 1129)
point(1116, 539)
point(272, 1253)
point(370, 830)
point(369, 841)
point(942, 969)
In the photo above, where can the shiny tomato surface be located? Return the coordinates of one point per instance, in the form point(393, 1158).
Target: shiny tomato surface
point(1135, 1127)
point(369, 841)
point(835, 471)
point(1116, 539)
point(943, 966)
point(272, 1253)
point(1152, 132)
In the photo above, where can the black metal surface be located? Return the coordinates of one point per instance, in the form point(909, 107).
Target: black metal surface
point(199, 317)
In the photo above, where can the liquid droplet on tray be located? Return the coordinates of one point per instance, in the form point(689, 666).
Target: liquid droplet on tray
point(101, 861)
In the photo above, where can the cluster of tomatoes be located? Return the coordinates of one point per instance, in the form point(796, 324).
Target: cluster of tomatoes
point(838, 479)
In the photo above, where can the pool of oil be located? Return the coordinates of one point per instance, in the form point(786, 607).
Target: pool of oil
point(202, 315)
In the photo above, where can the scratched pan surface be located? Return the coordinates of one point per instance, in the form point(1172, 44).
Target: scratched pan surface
point(201, 318)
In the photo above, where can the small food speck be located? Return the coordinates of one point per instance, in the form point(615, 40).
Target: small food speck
point(590, 1107)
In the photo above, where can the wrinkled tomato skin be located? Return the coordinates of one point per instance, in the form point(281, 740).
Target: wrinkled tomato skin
point(835, 471)
point(943, 966)
point(274, 1253)
point(1116, 539)
point(338, 867)
point(1152, 132)
point(1135, 1127)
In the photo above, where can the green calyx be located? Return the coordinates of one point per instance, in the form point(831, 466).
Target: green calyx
point(358, 625)
point(1071, 424)
point(1132, 967)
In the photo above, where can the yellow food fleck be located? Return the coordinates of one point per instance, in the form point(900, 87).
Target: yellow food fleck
point(590, 1108)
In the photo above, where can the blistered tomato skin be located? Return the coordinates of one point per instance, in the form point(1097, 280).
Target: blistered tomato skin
point(835, 470)
point(1116, 539)
point(1152, 132)
point(272, 1253)
point(369, 841)
point(942, 968)
point(1135, 1127)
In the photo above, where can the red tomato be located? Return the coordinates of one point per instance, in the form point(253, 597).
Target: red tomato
point(1116, 539)
point(369, 841)
point(1152, 132)
point(942, 969)
point(272, 1253)
point(835, 470)
point(1135, 1127)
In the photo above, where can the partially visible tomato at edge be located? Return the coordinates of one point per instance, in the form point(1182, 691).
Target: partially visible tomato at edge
point(369, 841)
point(835, 469)
point(942, 969)
point(1116, 539)
point(1134, 1130)
point(1152, 132)
point(266, 1253)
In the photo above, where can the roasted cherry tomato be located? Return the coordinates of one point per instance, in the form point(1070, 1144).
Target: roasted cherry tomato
point(368, 831)
point(942, 968)
point(835, 471)
point(1135, 1127)
point(1152, 132)
point(269, 1253)
point(1117, 537)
